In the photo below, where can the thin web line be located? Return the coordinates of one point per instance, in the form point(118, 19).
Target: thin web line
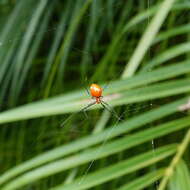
point(99, 150)
point(108, 135)
point(103, 143)
point(152, 141)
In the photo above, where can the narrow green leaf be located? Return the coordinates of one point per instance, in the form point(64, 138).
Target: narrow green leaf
point(103, 175)
point(60, 31)
point(172, 33)
point(100, 137)
point(181, 178)
point(120, 169)
point(74, 101)
point(34, 49)
point(147, 38)
point(167, 55)
point(144, 181)
point(19, 61)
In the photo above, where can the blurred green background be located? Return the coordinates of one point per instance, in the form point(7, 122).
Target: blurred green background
point(51, 51)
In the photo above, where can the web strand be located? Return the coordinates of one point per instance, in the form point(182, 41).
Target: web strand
point(103, 143)
point(82, 110)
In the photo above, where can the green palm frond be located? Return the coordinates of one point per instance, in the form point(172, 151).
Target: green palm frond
point(139, 52)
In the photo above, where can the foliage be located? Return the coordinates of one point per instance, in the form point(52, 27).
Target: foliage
point(139, 53)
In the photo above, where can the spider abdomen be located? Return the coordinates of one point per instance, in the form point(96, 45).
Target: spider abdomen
point(95, 91)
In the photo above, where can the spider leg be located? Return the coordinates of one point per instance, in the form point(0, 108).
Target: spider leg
point(85, 86)
point(72, 115)
point(87, 91)
point(85, 108)
point(110, 109)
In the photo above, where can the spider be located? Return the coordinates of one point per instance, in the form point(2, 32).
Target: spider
point(96, 93)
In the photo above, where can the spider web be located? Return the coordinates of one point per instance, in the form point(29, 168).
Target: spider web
point(132, 109)
point(115, 124)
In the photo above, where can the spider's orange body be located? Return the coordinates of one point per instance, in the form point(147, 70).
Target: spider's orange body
point(96, 92)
